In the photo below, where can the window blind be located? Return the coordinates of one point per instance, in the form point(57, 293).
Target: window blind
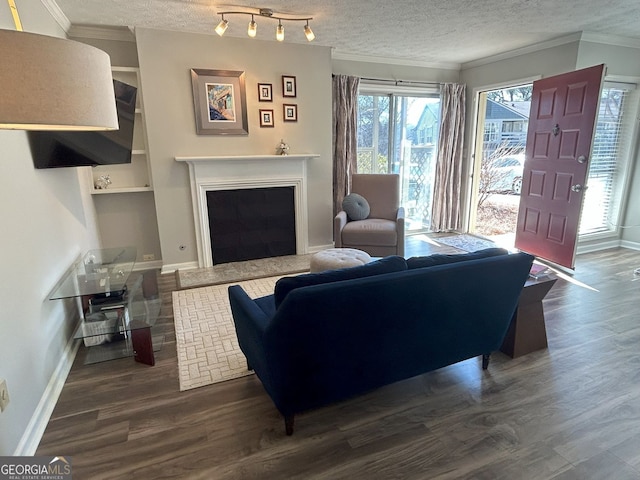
point(609, 157)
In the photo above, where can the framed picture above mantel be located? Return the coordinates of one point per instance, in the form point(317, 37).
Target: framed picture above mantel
point(265, 92)
point(289, 86)
point(219, 102)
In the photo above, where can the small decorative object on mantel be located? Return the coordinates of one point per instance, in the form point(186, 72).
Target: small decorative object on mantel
point(283, 148)
point(103, 182)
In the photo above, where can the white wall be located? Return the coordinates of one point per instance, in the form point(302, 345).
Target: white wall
point(166, 58)
point(47, 221)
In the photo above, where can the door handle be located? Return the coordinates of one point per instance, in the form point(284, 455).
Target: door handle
point(582, 159)
point(578, 188)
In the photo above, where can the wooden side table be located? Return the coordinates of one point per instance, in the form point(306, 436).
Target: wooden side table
point(527, 332)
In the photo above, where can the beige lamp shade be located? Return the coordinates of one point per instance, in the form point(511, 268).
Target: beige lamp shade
point(49, 83)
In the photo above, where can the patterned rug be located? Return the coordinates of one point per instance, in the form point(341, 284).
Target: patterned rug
point(208, 350)
point(468, 243)
point(239, 271)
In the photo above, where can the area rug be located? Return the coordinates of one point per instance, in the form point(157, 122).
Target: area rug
point(468, 243)
point(208, 350)
point(240, 271)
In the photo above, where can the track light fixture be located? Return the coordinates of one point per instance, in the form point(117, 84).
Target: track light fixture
point(268, 13)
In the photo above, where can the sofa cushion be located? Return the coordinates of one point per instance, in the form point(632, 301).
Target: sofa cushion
point(372, 231)
point(384, 265)
point(267, 305)
point(356, 206)
point(439, 259)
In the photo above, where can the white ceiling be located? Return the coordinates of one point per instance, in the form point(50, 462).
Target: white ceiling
point(407, 31)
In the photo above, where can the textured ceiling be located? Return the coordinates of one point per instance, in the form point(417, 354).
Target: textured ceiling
point(415, 31)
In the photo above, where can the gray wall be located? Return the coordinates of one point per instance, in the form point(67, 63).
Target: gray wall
point(165, 61)
point(47, 221)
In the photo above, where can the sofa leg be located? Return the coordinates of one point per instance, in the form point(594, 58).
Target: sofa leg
point(288, 424)
point(249, 366)
point(485, 360)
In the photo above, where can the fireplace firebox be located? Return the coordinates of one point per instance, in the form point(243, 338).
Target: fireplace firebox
point(251, 223)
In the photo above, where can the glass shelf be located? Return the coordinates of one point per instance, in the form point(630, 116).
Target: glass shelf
point(100, 271)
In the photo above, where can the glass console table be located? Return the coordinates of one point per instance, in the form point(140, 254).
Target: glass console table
point(119, 306)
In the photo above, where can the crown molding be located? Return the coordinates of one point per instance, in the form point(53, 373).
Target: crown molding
point(554, 42)
point(615, 40)
point(352, 57)
point(57, 14)
point(121, 34)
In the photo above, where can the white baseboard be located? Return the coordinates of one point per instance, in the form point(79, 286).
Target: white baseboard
point(152, 265)
point(597, 245)
point(35, 429)
point(319, 248)
point(630, 245)
point(178, 266)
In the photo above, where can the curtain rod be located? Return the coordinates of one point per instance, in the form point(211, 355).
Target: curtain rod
point(400, 82)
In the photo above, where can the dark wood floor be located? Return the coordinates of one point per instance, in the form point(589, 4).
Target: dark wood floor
point(569, 412)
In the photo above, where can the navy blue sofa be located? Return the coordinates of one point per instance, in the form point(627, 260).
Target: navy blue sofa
point(328, 336)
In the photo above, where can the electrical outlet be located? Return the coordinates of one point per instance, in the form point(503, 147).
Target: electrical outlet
point(149, 256)
point(4, 394)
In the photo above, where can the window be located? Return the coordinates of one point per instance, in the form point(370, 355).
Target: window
point(609, 158)
point(397, 133)
point(490, 132)
point(513, 126)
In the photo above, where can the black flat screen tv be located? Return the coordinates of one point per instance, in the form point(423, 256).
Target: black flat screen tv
point(77, 149)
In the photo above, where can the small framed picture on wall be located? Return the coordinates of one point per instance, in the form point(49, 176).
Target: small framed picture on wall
point(266, 118)
point(288, 86)
point(265, 92)
point(290, 112)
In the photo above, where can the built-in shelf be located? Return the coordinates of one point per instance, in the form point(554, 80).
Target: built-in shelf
point(107, 191)
point(135, 176)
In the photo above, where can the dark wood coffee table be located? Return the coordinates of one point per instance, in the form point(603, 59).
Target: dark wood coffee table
point(527, 332)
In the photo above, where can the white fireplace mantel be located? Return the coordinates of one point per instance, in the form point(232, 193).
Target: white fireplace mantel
point(230, 172)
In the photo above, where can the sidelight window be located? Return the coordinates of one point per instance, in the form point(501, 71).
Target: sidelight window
point(609, 158)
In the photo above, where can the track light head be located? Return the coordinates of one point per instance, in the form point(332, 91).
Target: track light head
point(222, 26)
point(253, 28)
point(280, 32)
point(308, 32)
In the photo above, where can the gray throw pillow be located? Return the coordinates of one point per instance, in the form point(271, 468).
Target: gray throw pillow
point(356, 206)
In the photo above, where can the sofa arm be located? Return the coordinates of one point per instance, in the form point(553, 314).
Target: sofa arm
point(339, 222)
point(250, 323)
point(400, 231)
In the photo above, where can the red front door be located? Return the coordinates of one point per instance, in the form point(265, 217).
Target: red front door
point(561, 124)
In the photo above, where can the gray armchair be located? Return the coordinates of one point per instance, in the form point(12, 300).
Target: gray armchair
point(382, 233)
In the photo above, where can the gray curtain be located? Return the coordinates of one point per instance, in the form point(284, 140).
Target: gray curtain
point(345, 139)
point(445, 214)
